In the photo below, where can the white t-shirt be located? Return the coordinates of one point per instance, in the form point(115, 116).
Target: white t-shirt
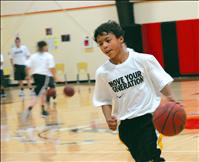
point(1, 61)
point(40, 63)
point(20, 55)
point(134, 86)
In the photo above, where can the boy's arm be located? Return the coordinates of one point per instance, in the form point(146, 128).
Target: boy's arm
point(160, 79)
point(52, 68)
point(27, 52)
point(166, 91)
point(28, 75)
point(111, 120)
point(53, 72)
point(28, 69)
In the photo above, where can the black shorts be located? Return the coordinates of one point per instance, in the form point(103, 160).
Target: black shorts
point(19, 72)
point(51, 83)
point(2, 77)
point(41, 83)
point(139, 135)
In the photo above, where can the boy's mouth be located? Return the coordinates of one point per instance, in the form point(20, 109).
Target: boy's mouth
point(108, 52)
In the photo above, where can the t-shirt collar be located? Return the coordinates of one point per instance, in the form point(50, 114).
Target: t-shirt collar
point(126, 61)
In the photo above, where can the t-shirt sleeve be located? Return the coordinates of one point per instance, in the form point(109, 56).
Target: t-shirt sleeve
point(102, 95)
point(27, 51)
point(160, 78)
point(51, 62)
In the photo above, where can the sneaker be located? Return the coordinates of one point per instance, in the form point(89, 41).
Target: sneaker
point(54, 101)
point(25, 115)
point(44, 113)
point(21, 93)
point(32, 93)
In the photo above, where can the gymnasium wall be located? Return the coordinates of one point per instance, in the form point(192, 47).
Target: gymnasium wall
point(170, 32)
point(79, 20)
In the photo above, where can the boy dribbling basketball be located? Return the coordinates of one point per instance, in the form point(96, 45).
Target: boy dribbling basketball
point(134, 81)
point(42, 66)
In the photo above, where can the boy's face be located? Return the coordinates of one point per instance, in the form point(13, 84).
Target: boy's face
point(109, 44)
point(17, 42)
point(45, 49)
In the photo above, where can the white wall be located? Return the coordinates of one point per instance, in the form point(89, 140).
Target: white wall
point(16, 7)
point(77, 23)
point(163, 11)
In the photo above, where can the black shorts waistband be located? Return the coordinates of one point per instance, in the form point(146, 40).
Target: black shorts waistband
point(15, 65)
point(139, 118)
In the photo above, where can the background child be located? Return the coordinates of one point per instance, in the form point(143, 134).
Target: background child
point(19, 56)
point(41, 64)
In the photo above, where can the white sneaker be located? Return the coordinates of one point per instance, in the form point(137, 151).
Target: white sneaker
point(32, 93)
point(21, 93)
point(54, 101)
point(25, 115)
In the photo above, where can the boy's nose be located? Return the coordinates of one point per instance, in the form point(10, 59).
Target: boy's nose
point(105, 45)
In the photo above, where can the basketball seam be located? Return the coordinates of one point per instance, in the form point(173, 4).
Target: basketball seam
point(159, 115)
point(167, 118)
point(174, 127)
point(174, 117)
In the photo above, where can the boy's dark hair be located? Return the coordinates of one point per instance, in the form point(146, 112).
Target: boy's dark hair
point(17, 38)
point(109, 27)
point(41, 44)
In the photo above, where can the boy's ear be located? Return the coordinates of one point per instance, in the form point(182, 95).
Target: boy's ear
point(121, 39)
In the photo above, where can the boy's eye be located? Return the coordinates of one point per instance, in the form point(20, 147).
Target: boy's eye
point(108, 40)
point(100, 44)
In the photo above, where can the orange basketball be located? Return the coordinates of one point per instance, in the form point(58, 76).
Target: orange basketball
point(69, 91)
point(51, 92)
point(170, 118)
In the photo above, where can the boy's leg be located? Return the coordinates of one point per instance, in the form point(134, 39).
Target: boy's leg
point(51, 84)
point(44, 112)
point(140, 137)
point(43, 97)
point(148, 143)
point(30, 88)
point(21, 85)
point(39, 84)
point(19, 76)
point(32, 93)
point(129, 139)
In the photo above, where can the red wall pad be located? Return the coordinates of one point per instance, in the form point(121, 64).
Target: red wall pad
point(188, 46)
point(152, 40)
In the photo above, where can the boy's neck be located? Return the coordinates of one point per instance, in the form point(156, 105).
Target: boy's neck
point(121, 57)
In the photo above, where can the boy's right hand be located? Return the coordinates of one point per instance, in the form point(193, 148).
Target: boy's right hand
point(112, 123)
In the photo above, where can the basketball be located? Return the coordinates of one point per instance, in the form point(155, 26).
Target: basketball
point(69, 91)
point(170, 118)
point(51, 92)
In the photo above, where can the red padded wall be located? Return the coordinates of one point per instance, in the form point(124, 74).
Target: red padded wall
point(152, 40)
point(188, 46)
